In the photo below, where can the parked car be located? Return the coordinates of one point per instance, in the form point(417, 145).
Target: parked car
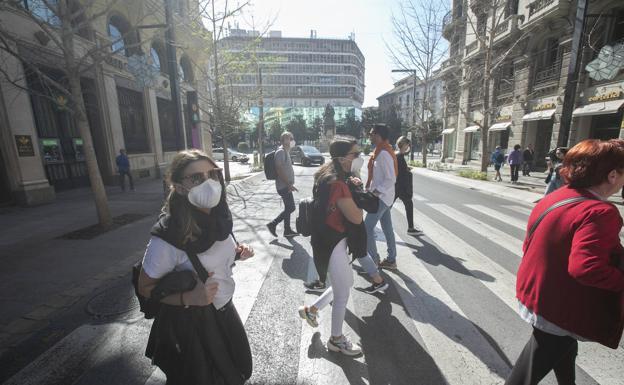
point(234, 156)
point(306, 155)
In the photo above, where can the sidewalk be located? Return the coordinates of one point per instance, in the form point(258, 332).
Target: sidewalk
point(44, 274)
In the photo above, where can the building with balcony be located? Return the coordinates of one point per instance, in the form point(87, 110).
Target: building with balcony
point(300, 76)
point(530, 50)
point(40, 146)
point(402, 102)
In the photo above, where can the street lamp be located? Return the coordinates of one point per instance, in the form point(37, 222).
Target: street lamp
point(413, 72)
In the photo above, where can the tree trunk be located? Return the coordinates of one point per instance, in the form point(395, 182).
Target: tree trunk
point(424, 148)
point(80, 117)
point(485, 126)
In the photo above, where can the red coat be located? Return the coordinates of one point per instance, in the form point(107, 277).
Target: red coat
point(569, 274)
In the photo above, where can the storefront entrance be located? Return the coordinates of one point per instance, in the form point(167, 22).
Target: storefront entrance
point(541, 145)
point(605, 127)
point(475, 145)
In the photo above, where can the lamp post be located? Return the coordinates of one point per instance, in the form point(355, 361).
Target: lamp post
point(413, 72)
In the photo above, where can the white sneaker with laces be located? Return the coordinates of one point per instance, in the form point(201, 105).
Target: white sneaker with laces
point(344, 346)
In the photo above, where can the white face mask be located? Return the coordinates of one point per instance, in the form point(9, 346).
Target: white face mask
point(293, 143)
point(207, 195)
point(356, 165)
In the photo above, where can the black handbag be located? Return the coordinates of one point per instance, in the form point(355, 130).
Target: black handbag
point(365, 200)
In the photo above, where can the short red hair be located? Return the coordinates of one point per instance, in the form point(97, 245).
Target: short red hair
point(589, 162)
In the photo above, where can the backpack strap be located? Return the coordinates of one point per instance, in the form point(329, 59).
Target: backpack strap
point(551, 208)
point(199, 268)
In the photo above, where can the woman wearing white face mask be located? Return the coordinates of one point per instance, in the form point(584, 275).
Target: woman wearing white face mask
point(338, 231)
point(404, 188)
point(197, 336)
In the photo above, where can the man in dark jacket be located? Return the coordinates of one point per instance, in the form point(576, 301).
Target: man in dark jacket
point(123, 167)
point(528, 156)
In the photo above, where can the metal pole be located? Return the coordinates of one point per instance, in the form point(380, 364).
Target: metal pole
point(261, 117)
point(226, 161)
point(173, 76)
point(573, 73)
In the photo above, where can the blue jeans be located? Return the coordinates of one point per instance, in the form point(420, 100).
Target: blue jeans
point(384, 216)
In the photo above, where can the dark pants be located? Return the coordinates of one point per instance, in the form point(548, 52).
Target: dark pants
point(289, 208)
point(526, 168)
point(542, 353)
point(515, 168)
point(409, 210)
point(122, 180)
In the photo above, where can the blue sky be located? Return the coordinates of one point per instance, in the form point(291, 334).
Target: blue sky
point(370, 20)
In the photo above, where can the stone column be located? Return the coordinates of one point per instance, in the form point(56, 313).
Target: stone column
point(521, 90)
point(28, 182)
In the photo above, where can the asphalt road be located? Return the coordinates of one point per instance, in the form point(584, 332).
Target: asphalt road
point(448, 317)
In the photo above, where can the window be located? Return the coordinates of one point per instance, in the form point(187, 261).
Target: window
point(123, 39)
point(157, 53)
point(186, 70)
point(132, 120)
point(166, 120)
point(41, 11)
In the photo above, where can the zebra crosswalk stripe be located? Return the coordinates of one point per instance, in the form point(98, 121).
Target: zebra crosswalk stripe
point(519, 209)
point(499, 237)
point(601, 363)
point(512, 221)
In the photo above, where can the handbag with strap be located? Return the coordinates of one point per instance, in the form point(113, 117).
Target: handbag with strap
point(551, 208)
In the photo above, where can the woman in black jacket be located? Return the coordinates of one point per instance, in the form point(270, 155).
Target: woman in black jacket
point(404, 188)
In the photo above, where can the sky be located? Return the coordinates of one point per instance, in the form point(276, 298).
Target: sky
point(370, 20)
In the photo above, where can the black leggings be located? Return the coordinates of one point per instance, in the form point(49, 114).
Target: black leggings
point(409, 210)
point(542, 353)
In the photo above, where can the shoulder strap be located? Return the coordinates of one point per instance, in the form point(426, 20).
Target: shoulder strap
point(551, 208)
point(199, 268)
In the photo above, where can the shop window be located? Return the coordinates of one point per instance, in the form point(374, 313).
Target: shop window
point(132, 114)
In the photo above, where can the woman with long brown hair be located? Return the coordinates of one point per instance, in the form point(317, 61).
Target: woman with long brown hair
point(197, 336)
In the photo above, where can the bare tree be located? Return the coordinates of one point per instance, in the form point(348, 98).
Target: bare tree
point(65, 20)
point(419, 48)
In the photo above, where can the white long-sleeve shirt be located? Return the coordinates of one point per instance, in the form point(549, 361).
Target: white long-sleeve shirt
point(384, 177)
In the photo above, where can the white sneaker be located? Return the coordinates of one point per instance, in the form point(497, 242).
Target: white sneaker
point(344, 346)
point(310, 317)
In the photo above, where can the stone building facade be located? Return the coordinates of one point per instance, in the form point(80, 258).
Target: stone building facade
point(40, 146)
point(401, 100)
point(531, 51)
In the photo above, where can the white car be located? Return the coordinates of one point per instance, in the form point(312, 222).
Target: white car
point(234, 156)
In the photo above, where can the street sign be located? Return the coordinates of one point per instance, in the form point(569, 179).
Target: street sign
point(409, 135)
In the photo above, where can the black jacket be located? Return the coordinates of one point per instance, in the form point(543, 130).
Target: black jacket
point(404, 187)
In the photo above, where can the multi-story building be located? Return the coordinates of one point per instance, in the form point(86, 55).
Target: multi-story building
point(400, 100)
point(40, 146)
point(300, 76)
point(530, 52)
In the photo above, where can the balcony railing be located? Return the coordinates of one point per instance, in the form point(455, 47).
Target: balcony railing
point(548, 74)
point(472, 46)
point(502, 27)
point(538, 5)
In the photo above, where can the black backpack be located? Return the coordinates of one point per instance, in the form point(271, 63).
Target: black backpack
point(269, 166)
point(500, 158)
point(303, 223)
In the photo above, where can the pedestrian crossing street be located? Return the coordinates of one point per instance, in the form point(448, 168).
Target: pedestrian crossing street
point(449, 317)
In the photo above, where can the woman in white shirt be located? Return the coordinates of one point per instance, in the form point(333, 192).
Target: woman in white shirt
point(197, 336)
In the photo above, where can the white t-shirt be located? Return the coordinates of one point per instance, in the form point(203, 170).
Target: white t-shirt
point(384, 177)
point(162, 258)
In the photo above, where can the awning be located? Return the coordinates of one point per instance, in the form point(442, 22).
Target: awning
point(447, 131)
point(539, 115)
point(500, 126)
point(472, 129)
point(602, 108)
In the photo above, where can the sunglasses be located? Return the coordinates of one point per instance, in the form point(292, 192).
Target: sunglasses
point(198, 178)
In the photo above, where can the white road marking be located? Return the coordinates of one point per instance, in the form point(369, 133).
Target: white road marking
point(497, 236)
point(603, 364)
point(519, 209)
point(419, 198)
point(515, 222)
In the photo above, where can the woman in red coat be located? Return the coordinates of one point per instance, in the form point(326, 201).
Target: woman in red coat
point(570, 282)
